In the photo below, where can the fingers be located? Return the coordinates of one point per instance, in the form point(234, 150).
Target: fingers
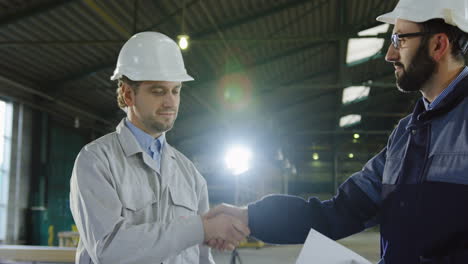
point(228, 246)
point(221, 245)
point(215, 243)
point(212, 243)
point(222, 208)
point(226, 228)
point(236, 230)
point(238, 212)
point(241, 228)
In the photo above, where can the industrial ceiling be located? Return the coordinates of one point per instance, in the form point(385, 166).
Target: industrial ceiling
point(269, 72)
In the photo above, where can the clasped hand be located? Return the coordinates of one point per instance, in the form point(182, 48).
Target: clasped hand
point(225, 226)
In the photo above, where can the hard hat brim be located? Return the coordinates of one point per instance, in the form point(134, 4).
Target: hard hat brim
point(391, 17)
point(388, 18)
point(452, 12)
point(151, 56)
point(139, 76)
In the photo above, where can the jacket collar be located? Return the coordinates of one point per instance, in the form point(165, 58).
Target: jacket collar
point(128, 142)
point(420, 115)
point(168, 164)
point(131, 147)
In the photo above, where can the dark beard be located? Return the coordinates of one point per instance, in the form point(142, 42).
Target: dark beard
point(421, 68)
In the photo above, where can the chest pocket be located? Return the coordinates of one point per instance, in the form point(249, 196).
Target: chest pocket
point(184, 201)
point(139, 202)
point(449, 168)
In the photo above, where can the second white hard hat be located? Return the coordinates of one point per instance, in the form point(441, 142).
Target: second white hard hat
point(453, 12)
point(151, 56)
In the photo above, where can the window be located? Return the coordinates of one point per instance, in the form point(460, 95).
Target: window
point(350, 120)
point(355, 94)
point(6, 116)
point(363, 48)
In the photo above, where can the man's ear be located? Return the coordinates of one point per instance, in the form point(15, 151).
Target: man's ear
point(128, 94)
point(439, 46)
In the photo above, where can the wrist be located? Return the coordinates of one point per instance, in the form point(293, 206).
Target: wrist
point(245, 216)
point(206, 228)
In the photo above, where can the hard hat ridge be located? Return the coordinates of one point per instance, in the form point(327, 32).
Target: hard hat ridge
point(453, 12)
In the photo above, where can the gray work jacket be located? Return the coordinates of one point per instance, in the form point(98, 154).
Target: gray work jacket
point(126, 212)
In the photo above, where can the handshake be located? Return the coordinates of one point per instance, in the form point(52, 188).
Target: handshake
point(225, 226)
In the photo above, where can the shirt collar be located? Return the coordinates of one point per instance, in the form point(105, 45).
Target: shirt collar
point(431, 105)
point(144, 139)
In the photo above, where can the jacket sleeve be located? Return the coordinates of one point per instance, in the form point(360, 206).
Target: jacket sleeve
point(283, 219)
point(203, 207)
point(110, 238)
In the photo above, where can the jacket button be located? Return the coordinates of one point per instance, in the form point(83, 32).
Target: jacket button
point(413, 131)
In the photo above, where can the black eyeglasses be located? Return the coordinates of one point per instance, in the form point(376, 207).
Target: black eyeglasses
point(396, 38)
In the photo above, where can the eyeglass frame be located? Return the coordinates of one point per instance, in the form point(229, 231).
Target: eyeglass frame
point(395, 38)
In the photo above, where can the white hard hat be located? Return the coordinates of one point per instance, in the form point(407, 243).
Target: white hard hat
point(453, 12)
point(151, 56)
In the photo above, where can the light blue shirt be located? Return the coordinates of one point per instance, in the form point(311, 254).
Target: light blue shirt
point(152, 146)
point(446, 91)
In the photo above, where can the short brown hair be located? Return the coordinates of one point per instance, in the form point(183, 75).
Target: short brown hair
point(133, 84)
point(456, 36)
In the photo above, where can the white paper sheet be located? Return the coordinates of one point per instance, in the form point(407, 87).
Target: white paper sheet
point(319, 249)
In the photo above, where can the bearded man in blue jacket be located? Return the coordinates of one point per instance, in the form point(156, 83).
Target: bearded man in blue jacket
point(416, 188)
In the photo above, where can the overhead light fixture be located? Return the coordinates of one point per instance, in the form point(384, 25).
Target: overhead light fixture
point(279, 155)
point(183, 38)
point(294, 170)
point(77, 122)
point(183, 41)
point(350, 155)
point(356, 136)
point(360, 49)
point(350, 120)
point(354, 94)
point(315, 156)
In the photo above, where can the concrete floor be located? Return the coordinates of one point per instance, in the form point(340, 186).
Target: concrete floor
point(365, 244)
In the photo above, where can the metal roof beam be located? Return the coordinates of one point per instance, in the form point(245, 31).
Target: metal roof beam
point(250, 18)
point(17, 16)
point(76, 110)
point(104, 66)
point(107, 18)
point(224, 27)
point(171, 15)
point(334, 88)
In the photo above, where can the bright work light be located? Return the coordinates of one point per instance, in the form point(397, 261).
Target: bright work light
point(238, 159)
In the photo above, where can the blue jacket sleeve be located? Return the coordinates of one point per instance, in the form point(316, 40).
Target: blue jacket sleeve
point(283, 219)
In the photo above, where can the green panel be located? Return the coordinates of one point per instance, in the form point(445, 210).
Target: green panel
point(65, 144)
point(61, 146)
point(39, 221)
point(37, 214)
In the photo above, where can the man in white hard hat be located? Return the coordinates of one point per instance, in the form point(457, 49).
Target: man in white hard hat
point(134, 198)
point(416, 188)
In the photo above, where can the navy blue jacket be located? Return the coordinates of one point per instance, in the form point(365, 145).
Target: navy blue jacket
point(416, 188)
